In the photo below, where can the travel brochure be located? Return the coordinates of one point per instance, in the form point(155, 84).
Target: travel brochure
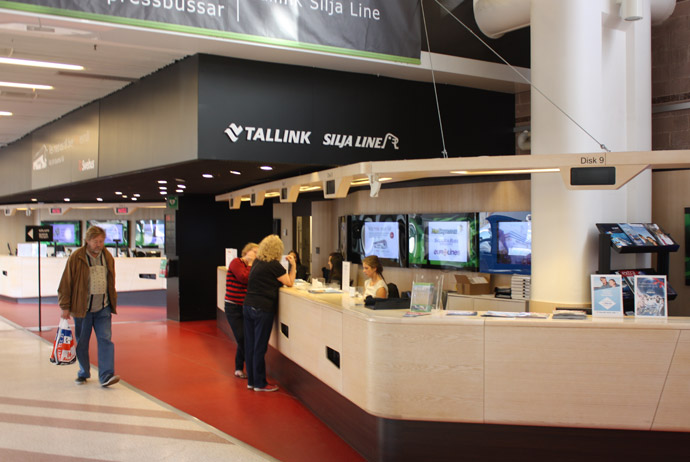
point(607, 295)
point(636, 234)
point(651, 296)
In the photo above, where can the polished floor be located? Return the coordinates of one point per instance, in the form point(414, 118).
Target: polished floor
point(178, 399)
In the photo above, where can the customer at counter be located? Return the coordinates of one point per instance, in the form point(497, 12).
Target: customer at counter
point(375, 285)
point(335, 269)
point(260, 306)
point(235, 291)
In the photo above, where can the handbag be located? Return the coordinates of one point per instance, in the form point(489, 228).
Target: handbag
point(65, 345)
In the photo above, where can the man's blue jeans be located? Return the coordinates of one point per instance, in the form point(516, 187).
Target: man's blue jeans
point(257, 332)
point(100, 322)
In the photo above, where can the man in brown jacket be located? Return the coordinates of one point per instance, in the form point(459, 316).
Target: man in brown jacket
point(87, 292)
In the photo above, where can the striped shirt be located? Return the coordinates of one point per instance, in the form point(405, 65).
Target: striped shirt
point(236, 281)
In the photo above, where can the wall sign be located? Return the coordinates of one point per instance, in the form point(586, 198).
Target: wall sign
point(382, 29)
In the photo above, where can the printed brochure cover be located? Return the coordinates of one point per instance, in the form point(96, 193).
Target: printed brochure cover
point(651, 296)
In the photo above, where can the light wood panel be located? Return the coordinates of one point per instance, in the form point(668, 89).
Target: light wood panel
point(579, 377)
point(674, 406)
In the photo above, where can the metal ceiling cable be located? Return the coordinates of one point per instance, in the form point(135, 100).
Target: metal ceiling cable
point(601, 145)
point(433, 79)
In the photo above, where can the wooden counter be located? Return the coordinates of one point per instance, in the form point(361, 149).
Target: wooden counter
point(399, 388)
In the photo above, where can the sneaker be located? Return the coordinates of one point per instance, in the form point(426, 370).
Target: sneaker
point(251, 387)
point(80, 380)
point(267, 388)
point(112, 380)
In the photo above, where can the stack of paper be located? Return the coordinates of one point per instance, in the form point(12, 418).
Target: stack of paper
point(520, 286)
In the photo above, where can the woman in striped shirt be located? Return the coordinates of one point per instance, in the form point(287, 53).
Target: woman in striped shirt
point(235, 290)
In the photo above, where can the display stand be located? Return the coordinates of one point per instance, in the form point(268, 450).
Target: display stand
point(662, 261)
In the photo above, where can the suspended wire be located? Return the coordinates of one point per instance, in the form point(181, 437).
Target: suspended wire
point(601, 145)
point(433, 79)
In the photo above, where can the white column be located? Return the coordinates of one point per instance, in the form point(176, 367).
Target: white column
point(596, 68)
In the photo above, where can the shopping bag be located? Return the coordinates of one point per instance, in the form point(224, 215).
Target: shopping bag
point(65, 346)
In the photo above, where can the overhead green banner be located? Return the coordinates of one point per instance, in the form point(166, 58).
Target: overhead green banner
point(382, 29)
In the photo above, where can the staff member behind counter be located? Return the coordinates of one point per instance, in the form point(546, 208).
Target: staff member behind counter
point(375, 285)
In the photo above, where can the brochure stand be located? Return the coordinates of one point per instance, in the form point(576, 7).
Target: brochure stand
point(662, 261)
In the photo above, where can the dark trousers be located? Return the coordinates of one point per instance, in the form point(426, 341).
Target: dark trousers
point(236, 320)
point(257, 332)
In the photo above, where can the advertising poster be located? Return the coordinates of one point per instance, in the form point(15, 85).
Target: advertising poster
point(651, 296)
point(607, 295)
point(381, 239)
point(448, 241)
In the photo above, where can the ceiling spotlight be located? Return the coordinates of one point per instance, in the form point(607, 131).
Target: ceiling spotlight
point(235, 172)
point(134, 199)
point(5, 113)
point(181, 186)
point(33, 199)
point(118, 193)
point(207, 175)
point(67, 199)
point(31, 86)
point(99, 199)
point(136, 195)
point(162, 187)
point(179, 190)
point(266, 167)
point(162, 181)
point(164, 192)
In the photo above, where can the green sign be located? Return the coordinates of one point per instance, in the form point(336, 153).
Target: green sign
point(173, 202)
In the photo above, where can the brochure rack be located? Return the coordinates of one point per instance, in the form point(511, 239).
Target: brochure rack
point(662, 261)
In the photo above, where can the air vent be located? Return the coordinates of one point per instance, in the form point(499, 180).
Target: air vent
point(96, 76)
point(18, 94)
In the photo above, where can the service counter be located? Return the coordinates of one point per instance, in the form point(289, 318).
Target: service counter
point(438, 375)
point(19, 275)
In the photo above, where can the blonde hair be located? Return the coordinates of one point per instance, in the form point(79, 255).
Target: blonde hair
point(94, 231)
point(270, 248)
point(247, 248)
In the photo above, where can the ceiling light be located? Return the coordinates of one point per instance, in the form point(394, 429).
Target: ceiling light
point(118, 193)
point(29, 62)
point(136, 195)
point(235, 172)
point(207, 175)
point(164, 192)
point(162, 181)
point(272, 194)
point(67, 199)
point(99, 199)
point(266, 167)
point(31, 86)
point(181, 186)
point(179, 190)
point(33, 199)
point(134, 199)
point(309, 188)
point(5, 113)
point(163, 187)
point(504, 172)
point(124, 196)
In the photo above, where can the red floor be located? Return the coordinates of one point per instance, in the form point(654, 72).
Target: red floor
point(190, 366)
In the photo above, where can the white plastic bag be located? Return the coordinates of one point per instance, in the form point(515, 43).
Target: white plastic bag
point(65, 346)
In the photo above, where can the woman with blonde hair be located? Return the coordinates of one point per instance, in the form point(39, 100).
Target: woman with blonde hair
point(260, 306)
point(235, 291)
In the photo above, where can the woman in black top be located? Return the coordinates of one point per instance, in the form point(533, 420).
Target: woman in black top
point(260, 306)
point(335, 268)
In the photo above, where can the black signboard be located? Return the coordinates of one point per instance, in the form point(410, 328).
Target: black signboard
point(39, 234)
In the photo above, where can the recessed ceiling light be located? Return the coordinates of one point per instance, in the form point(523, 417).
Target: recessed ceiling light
point(134, 198)
point(504, 172)
point(33, 199)
point(181, 186)
point(118, 193)
point(67, 199)
point(266, 167)
point(180, 180)
point(99, 199)
point(164, 192)
point(124, 196)
point(32, 86)
point(32, 63)
point(162, 181)
point(136, 195)
point(179, 190)
point(162, 187)
point(235, 172)
point(207, 175)
point(5, 113)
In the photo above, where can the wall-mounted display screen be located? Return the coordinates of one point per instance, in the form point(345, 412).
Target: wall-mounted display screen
point(382, 235)
point(505, 242)
point(443, 240)
point(115, 230)
point(149, 233)
point(66, 233)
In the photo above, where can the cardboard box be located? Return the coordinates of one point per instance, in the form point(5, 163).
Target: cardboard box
point(473, 283)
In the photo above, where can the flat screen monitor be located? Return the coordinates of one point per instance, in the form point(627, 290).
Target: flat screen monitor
point(66, 233)
point(505, 242)
point(149, 233)
point(382, 235)
point(443, 240)
point(114, 230)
